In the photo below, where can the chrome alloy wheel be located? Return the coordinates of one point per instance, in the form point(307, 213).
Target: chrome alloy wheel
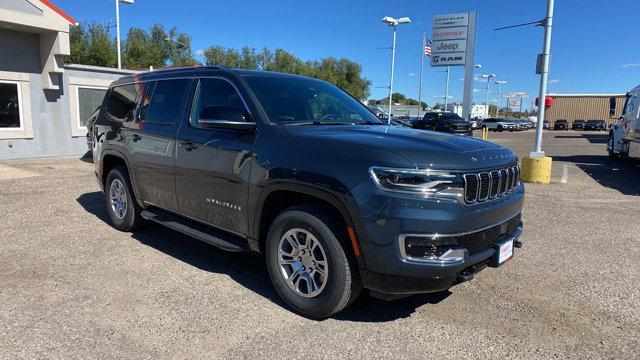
point(118, 197)
point(303, 262)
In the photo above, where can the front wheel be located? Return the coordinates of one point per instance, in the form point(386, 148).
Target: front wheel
point(308, 262)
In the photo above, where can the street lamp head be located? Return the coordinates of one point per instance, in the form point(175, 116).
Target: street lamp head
point(395, 22)
point(126, 1)
point(389, 21)
point(500, 82)
point(478, 66)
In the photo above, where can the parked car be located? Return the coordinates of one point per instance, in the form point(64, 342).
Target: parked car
point(561, 124)
point(522, 125)
point(545, 124)
point(475, 123)
point(90, 122)
point(498, 124)
point(595, 125)
point(578, 125)
point(297, 170)
point(443, 122)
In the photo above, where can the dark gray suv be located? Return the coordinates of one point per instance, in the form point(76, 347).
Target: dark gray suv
point(301, 172)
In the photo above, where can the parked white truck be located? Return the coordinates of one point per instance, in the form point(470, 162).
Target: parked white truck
point(624, 137)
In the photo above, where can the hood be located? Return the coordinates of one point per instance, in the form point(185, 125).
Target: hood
point(424, 149)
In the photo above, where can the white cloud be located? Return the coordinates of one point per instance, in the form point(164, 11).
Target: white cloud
point(477, 90)
point(412, 74)
point(200, 52)
point(554, 81)
point(631, 65)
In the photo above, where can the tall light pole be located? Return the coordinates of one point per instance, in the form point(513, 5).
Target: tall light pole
point(446, 89)
point(118, 28)
point(486, 102)
point(499, 83)
point(546, 54)
point(394, 24)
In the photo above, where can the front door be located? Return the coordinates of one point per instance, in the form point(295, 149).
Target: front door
point(213, 165)
point(151, 141)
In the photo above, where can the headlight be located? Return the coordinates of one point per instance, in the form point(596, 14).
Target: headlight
point(426, 183)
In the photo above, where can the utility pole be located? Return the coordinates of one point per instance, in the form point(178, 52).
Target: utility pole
point(118, 32)
point(546, 53)
point(424, 43)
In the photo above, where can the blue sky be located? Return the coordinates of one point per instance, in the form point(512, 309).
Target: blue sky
point(594, 47)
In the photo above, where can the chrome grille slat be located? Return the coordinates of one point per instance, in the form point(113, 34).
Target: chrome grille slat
point(483, 186)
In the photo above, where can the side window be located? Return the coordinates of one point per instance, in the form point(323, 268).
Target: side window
point(213, 92)
point(145, 100)
point(167, 99)
point(122, 102)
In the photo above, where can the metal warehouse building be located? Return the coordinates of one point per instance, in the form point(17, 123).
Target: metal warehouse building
point(585, 107)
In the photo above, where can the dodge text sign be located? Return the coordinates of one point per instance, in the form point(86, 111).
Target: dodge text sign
point(450, 33)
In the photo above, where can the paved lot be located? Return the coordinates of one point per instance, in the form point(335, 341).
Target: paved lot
point(73, 287)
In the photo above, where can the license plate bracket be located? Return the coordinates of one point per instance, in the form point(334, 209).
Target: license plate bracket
point(503, 252)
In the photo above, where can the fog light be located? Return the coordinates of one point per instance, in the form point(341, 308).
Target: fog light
point(434, 249)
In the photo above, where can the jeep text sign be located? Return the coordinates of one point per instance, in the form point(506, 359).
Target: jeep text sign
point(448, 46)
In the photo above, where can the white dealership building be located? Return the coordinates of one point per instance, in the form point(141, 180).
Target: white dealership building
point(44, 103)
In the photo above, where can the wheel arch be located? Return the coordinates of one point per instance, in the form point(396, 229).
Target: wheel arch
point(278, 197)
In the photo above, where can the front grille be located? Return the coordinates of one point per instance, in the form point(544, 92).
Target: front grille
point(485, 239)
point(488, 185)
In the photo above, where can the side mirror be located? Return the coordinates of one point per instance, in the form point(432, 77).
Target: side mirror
point(225, 117)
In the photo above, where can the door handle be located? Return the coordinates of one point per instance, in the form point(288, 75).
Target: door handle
point(136, 137)
point(188, 145)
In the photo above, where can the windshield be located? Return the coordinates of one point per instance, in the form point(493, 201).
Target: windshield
point(451, 116)
point(288, 99)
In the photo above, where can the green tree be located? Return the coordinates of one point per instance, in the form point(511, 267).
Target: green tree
point(341, 72)
point(91, 44)
point(437, 106)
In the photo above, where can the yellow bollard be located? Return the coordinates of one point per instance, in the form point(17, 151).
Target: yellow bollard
point(536, 170)
point(485, 133)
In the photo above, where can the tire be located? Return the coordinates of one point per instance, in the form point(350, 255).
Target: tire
point(499, 128)
point(342, 283)
point(118, 187)
point(612, 154)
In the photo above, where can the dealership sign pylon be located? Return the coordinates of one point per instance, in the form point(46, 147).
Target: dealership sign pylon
point(454, 44)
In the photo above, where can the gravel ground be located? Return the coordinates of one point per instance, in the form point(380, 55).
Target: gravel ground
point(73, 287)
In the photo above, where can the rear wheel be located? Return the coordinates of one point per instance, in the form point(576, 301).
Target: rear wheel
point(308, 264)
point(499, 128)
point(610, 148)
point(122, 207)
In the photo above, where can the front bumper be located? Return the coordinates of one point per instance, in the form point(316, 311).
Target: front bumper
point(386, 217)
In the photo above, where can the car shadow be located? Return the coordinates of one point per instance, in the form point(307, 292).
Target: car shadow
point(594, 138)
point(617, 174)
point(250, 270)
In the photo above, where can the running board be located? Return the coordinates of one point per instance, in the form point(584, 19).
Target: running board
point(215, 237)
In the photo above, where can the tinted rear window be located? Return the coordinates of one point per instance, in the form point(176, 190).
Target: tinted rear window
point(122, 102)
point(166, 102)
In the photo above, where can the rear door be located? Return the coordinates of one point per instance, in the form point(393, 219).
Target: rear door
point(213, 165)
point(151, 141)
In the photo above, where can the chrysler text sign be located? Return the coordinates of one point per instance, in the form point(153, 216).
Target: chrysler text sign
point(451, 20)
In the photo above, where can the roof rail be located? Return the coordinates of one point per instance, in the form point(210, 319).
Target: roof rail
point(166, 68)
